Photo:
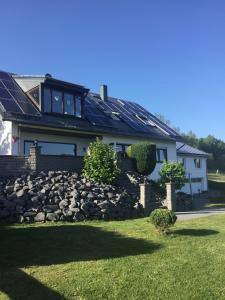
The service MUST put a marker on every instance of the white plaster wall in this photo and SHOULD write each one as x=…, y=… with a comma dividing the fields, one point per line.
x=80, y=142
x=5, y=137
x=16, y=142
x=195, y=173
x=27, y=83
x=170, y=146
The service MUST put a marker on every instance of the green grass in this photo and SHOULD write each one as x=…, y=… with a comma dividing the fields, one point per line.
x=217, y=183
x=113, y=260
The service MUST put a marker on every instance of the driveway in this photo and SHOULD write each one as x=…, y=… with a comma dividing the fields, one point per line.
x=187, y=215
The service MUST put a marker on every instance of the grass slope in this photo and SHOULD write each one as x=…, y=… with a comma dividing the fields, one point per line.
x=114, y=260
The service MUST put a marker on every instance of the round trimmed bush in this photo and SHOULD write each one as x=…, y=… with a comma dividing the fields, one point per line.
x=163, y=219
x=144, y=154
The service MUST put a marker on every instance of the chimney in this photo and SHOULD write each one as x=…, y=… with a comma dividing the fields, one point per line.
x=103, y=92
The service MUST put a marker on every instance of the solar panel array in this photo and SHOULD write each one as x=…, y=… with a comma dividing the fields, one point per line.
x=12, y=97
x=130, y=113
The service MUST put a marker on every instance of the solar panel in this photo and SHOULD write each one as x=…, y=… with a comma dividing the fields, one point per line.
x=17, y=101
x=5, y=75
x=94, y=115
x=10, y=84
x=4, y=94
x=126, y=116
x=10, y=105
x=140, y=110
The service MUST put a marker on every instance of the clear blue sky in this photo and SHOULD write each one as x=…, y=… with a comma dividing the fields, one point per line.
x=168, y=55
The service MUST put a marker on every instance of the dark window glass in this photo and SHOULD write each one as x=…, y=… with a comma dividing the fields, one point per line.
x=48, y=148
x=78, y=106
x=35, y=95
x=56, y=101
x=121, y=147
x=68, y=104
x=196, y=179
x=197, y=162
x=61, y=102
x=161, y=155
x=47, y=100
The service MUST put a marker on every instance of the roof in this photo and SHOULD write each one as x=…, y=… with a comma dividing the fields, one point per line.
x=185, y=149
x=115, y=116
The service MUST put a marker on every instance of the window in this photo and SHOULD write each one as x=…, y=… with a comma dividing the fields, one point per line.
x=197, y=162
x=68, y=104
x=55, y=101
x=161, y=155
x=145, y=120
x=195, y=180
x=120, y=147
x=182, y=161
x=78, y=106
x=47, y=100
x=51, y=148
x=34, y=95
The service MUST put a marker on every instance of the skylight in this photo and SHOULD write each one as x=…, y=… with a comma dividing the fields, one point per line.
x=145, y=120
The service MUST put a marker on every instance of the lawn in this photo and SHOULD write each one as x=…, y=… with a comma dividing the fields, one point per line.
x=113, y=260
x=217, y=183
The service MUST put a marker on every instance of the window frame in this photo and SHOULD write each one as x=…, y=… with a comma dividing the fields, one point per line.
x=63, y=90
x=200, y=163
x=120, y=144
x=38, y=105
x=63, y=155
x=158, y=151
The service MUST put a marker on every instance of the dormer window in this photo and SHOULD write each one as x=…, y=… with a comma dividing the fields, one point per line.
x=61, y=102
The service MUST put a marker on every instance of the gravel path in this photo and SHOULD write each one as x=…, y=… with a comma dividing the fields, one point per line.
x=182, y=216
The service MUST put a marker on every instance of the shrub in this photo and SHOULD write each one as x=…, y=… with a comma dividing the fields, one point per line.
x=163, y=219
x=100, y=163
x=144, y=154
x=172, y=172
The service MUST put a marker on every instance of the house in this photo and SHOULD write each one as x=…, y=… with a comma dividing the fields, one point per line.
x=65, y=117
x=195, y=164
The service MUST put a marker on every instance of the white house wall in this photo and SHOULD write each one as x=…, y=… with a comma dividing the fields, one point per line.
x=170, y=146
x=194, y=172
x=5, y=137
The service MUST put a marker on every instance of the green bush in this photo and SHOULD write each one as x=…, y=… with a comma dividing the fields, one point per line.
x=100, y=163
x=144, y=154
x=163, y=219
x=172, y=172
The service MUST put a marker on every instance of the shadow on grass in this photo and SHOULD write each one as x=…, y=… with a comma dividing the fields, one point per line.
x=44, y=246
x=195, y=232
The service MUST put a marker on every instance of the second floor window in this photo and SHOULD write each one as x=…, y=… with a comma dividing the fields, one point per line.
x=197, y=162
x=56, y=101
x=161, y=155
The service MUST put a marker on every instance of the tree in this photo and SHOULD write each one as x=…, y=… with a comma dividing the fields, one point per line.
x=100, y=163
x=191, y=139
x=172, y=172
x=162, y=118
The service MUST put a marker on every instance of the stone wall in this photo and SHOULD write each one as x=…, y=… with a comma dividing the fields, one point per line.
x=65, y=196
